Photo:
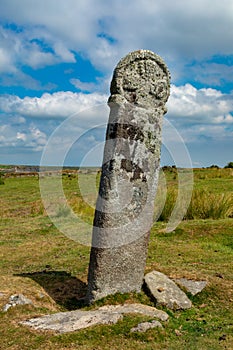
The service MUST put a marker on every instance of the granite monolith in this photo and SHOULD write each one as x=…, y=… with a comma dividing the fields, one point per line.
x=124, y=209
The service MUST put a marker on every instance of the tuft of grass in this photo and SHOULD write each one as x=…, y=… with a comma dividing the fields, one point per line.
x=82, y=209
x=2, y=179
x=203, y=205
x=63, y=211
x=168, y=205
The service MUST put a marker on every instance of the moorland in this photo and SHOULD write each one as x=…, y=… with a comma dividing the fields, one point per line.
x=38, y=261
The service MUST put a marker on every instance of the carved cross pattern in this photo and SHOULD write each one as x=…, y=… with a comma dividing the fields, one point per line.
x=148, y=86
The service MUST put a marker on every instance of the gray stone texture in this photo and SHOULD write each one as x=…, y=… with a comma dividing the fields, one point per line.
x=64, y=322
x=136, y=309
x=144, y=326
x=193, y=287
x=124, y=208
x=166, y=292
x=17, y=299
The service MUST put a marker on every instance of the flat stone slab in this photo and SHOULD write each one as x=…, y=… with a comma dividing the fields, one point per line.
x=193, y=287
x=144, y=326
x=166, y=292
x=64, y=322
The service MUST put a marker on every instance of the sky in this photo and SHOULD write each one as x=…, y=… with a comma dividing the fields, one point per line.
x=56, y=64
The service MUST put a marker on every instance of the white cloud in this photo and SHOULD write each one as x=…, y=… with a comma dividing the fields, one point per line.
x=198, y=115
x=57, y=105
x=22, y=48
x=187, y=105
x=104, y=32
x=203, y=106
x=210, y=73
x=21, y=136
x=18, y=119
x=5, y=61
x=29, y=137
x=37, y=139
x=185, y=33
x=35, y=58
x=201, y=135
x=80, y=85
x=101, y=84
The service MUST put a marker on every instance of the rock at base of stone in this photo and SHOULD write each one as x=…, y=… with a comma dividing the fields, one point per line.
x=193, y=287
x=64, y=322
x=144, y=326
x=166, y=292
x=137, y=309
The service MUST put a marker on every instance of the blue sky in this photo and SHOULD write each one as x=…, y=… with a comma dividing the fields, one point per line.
x=57, y=58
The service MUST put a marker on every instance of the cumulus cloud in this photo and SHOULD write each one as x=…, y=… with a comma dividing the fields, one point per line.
x=186, y=105
x=101, y=84
x=200, y=106
x=186, y=34
x=21, y=48
x=29, y=137
x=211, y=73
x=26, y=46
x=196, y=113
x=179, y=30
x=80, y=85
x=5, y=61
x=21, y=136
x=58, y=105
x=27, y=123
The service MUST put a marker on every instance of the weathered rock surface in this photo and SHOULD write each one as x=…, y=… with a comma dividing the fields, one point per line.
x=64, y=322
x=129, y=177
x=137, y=308
x=144, y=326
x=17, y=299
x=193, y=287
x=70, y=321
x=166, y=292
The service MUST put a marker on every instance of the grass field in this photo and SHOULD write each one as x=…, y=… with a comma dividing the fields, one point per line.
x=50, y=269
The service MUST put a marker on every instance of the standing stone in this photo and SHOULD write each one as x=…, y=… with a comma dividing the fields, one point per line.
x=124, y=208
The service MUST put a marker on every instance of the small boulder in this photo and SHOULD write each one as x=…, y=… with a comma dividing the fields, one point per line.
x=166, y=292
x=193, y=287
x=144, y=326
x=17, y=299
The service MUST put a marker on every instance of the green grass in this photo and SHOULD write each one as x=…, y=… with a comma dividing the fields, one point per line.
x=40, y=262
x=212, y=195
x=203, y=205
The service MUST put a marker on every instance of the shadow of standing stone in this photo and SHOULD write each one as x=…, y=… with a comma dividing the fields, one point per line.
x=65, y=289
